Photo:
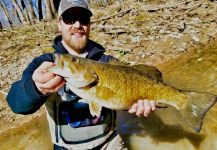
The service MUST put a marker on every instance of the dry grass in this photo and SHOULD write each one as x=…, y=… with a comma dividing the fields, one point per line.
x=148, y=32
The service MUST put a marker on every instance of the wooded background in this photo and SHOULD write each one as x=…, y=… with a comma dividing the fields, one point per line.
x=18, y=12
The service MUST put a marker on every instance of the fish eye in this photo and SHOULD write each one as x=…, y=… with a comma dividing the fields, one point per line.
x=74, y=59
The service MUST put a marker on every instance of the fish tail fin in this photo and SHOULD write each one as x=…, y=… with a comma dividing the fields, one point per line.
x=198, y=105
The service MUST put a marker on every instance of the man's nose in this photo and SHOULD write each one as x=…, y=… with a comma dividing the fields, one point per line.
x=77, y=24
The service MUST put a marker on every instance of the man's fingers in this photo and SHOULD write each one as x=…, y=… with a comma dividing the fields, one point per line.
x=52, y=83
x=45, y=65
x=140, y=109
x=147, y=108
x=153, y=105
x=60, y=85
x=45, y=89
x=143, y=107
x=133, y=108
x=45, y=81
x=42, y=76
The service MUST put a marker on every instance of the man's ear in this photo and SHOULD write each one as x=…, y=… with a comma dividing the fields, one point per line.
x=59, y=25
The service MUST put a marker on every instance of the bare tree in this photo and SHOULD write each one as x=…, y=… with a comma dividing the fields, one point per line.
x=54, y=12
x=29, y=9
x=19, y=11
x=47, y=9
x=4, y=19
x=11, y=12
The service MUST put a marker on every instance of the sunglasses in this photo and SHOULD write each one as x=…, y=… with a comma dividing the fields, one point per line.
x=70, y=19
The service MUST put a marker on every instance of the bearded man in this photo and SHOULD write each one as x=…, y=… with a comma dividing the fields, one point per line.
x=71, y=124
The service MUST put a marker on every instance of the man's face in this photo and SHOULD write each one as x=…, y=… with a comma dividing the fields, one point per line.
x=74, y=26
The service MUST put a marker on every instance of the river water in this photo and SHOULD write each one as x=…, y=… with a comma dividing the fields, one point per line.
x=31, y=135
x=165, y=129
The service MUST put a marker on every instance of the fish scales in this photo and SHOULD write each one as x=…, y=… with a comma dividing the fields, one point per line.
x=118, y=86
x=130, y=85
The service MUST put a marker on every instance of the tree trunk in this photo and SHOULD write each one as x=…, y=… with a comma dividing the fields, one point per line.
x=54, y=12
x=47, y=10
x=35, y=6
x=4, y=19
x=26, y=15
x=12, y=14
x=19, y=11
x=29, y=9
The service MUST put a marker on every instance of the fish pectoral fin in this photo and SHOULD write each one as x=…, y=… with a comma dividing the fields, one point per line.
x=197, y=106
x=104, y=93
x=95, y=109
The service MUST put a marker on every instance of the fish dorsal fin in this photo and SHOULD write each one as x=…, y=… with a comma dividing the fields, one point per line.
x=115, y=61
x=149, y=71
x=95, y=109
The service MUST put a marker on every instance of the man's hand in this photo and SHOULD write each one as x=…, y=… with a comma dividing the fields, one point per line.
x=45, y=81
x=143, y=107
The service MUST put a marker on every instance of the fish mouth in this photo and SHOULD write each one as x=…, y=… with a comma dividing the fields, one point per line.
x=80, y=85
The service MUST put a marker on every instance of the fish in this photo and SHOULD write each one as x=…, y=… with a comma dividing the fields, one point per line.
x=116, y=85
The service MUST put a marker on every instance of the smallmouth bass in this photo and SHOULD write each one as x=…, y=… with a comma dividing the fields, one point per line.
x=117, y=86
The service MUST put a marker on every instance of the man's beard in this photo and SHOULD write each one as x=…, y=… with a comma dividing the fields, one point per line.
x=77, y=44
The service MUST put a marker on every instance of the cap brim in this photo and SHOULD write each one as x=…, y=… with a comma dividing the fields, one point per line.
x=89, y=13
